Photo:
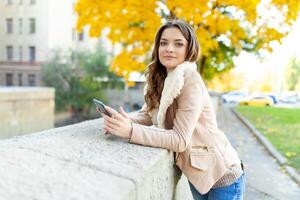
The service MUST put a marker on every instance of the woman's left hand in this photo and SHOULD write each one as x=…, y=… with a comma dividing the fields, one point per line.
x=119, y=124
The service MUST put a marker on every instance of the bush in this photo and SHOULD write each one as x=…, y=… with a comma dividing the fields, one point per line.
x=78, y=78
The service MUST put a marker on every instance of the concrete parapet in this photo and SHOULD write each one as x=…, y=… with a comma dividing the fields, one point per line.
x=78, y=162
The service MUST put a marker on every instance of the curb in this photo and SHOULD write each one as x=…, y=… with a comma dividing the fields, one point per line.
x=270, y=148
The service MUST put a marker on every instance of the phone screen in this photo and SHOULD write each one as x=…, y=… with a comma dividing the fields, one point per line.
x=101, y=107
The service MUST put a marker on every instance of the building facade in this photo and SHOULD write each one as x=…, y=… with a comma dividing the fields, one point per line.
x=30, y=29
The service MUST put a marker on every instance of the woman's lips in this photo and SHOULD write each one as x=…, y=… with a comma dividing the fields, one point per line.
x=169, y=57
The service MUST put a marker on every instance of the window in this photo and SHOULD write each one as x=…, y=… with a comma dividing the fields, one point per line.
x=9, y=2
x=9, y=25
x=9, y=79
x=31, y=25
x=9, y=53
x=20, y=53
x=31, y=80
x=20, y=26
x=80, y=36
x=20, y=80
x=31, y=54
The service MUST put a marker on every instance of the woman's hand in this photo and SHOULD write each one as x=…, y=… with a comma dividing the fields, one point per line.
x=119, y=124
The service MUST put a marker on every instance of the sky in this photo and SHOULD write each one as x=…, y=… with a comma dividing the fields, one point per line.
x=273, y=63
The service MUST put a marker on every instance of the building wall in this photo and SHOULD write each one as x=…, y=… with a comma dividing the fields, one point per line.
x=55, y=23
x=62, y=27
x=25, y=69
x=39, y=39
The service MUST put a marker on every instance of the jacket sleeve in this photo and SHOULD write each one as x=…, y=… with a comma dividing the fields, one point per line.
x=141, y=117
x=190, y=104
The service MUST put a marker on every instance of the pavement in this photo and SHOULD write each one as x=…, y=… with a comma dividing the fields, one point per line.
x=265, y=178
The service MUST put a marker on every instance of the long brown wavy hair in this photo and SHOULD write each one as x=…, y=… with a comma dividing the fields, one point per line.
x=156, y=72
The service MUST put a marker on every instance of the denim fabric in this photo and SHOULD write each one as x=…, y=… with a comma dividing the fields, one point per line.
x=235, y=191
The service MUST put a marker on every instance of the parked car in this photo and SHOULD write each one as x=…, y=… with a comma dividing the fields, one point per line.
x=273, y=97
x=233, y=97
x=289, y=98
x=257, y=101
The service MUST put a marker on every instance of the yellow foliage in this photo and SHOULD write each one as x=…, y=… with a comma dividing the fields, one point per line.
x=134, y=23
x=130, y=83
x=227, y=81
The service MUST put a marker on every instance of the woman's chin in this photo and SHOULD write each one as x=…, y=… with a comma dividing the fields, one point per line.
x=169, y=65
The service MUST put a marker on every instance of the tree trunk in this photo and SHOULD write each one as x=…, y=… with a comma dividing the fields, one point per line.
x=201, y=65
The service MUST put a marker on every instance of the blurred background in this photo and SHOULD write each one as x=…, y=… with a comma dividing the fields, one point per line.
x=95, y=49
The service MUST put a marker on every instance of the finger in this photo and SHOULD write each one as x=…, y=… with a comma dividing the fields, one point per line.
x=104, y=131
x=111, y=120
x=113, y=112
x=122, y=111
x=104, y=115
x=110, y=125
x=111, y=130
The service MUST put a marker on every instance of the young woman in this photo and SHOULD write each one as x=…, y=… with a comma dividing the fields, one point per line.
x=178, y=105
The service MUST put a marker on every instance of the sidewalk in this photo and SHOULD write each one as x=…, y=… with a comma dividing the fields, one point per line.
x=265, y=179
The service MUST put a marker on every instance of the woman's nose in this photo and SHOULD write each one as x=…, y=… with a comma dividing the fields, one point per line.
x=170, y=48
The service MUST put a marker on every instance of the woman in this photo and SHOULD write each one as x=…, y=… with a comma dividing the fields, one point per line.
x=178, y=105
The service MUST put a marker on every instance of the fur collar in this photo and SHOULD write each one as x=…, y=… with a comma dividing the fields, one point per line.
x=173, y=84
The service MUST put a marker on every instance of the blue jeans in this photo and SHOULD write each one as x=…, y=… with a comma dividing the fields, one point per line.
x=235, y=191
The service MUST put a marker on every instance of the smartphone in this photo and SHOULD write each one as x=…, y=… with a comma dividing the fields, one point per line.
x=101, y=107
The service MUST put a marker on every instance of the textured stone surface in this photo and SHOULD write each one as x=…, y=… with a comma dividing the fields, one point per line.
x=78, y=162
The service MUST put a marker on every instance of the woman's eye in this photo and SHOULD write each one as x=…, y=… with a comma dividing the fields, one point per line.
x=179, y=44
x=163, y=43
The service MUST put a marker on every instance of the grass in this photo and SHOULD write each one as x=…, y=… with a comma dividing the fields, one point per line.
x=281, y=126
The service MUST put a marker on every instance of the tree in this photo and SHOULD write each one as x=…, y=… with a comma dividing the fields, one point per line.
x=76, y=77
x=224, y=27
x=293, y=74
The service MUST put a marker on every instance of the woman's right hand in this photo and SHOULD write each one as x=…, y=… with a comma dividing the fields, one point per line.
x=122, y=112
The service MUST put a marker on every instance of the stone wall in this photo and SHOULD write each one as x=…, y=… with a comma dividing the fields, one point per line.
x=25, y=110
x=78, y=162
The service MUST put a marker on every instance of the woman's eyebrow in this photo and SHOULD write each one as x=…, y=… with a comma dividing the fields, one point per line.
x=177, y=40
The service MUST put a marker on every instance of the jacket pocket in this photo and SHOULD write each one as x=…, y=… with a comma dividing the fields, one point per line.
x=202, y=159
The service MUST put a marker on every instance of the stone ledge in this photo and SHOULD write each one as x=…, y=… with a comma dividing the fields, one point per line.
x=76, y=161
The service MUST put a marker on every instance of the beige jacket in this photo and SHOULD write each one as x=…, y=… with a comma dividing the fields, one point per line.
x=185, y=123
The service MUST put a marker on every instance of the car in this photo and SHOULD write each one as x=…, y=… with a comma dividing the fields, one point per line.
x=257, y=101
x=233, y=97
x=289, y=99
x=273, y=97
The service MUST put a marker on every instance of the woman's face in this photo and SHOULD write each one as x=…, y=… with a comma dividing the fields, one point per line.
x=172, y=48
